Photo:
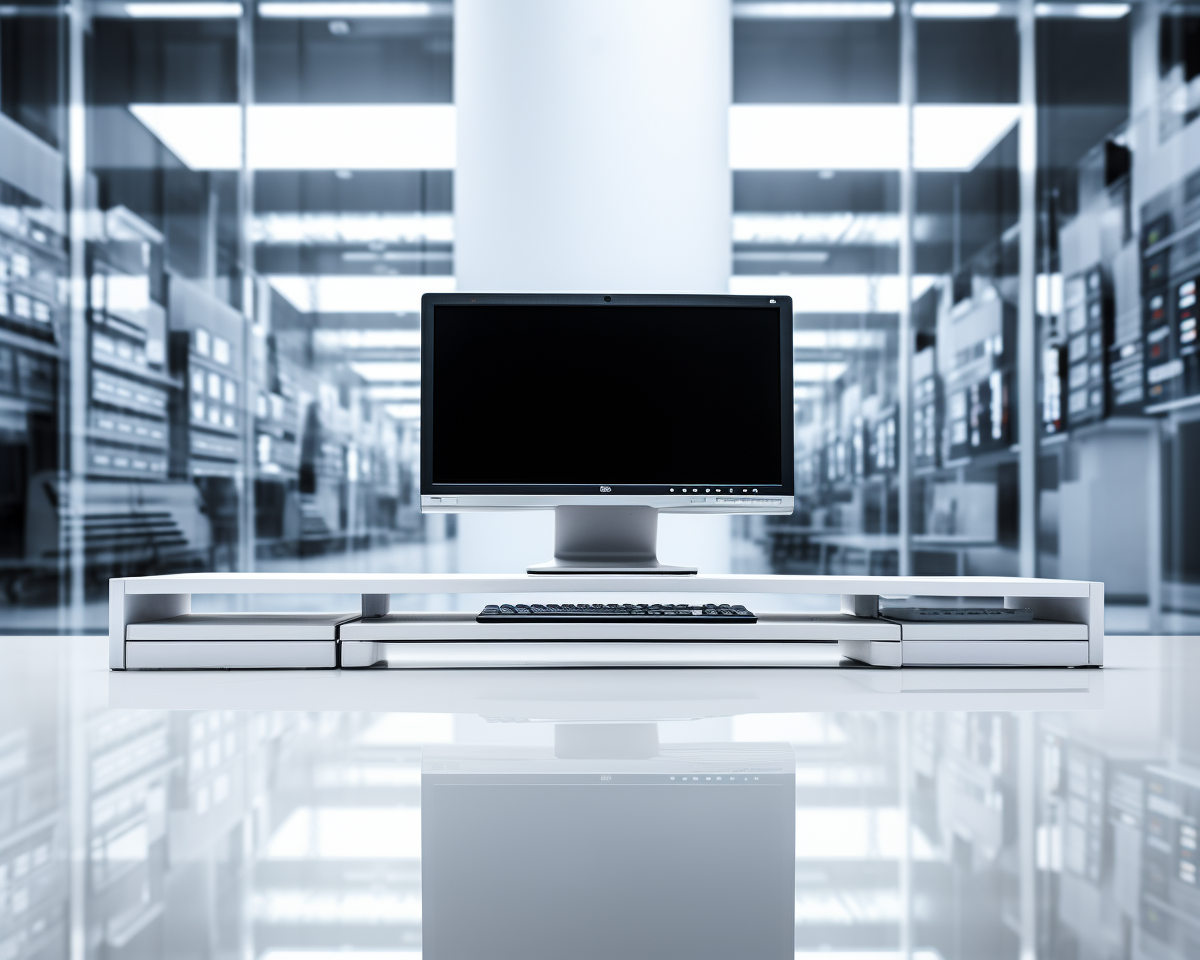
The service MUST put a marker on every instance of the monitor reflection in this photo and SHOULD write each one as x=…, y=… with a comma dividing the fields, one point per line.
x=608, y=844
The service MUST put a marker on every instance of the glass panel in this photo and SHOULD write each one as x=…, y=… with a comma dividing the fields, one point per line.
x=965, y=497
x=215, y=365
x=826, y=231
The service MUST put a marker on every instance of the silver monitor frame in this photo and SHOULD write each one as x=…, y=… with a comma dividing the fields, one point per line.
x=604, y=531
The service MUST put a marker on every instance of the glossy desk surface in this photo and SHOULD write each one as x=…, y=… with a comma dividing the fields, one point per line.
x=833, y=812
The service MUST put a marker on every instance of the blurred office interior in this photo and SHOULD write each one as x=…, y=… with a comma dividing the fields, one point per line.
x=217, y=219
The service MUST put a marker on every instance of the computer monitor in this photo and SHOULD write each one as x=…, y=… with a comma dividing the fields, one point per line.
x=607, y=408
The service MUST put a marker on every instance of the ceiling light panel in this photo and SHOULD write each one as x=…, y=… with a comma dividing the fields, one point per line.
x=833, y=293
x=342, y=228
x=182, y=11
x=331, y=341
x=948, y=10
x=367, y=10
x=952, y=137
x=395, y=394
x=816, y=10
x=304, y=136
x=817, y=229
x=385, y=371
x=810, y=372
x=839, y=339
x=1086, y=11
x=347, y=293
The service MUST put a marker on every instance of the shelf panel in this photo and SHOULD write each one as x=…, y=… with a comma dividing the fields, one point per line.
x=250, y=583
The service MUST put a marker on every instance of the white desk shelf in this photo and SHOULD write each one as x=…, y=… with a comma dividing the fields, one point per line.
x=1068, y=629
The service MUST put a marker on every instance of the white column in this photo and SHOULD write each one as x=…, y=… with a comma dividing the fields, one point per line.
x=593, y=148
x=593, y=155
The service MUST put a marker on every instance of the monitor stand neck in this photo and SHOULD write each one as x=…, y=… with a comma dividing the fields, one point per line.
x=606, y=540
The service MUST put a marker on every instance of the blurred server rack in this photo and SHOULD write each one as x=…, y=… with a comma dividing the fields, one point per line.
x=33, y=875
x=127, y=430
x=1090, y=824
x=321, y=880
x=129, y=766
x=964, y=427
x=33, y=276
x=848, y=836
x=208, y=791
x=135, y=518
x=963, y=801
x=1170, y=900
x=1170, y=241
x=1087, y=305
x=277, y=431
x=847, y=456
x=208, y=416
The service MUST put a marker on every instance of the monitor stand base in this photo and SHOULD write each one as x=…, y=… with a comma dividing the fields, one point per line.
x=607, y=541
x=609, y=569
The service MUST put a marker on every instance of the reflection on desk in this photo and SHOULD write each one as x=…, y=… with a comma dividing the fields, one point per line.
x=1008, y=813
x=541, y=853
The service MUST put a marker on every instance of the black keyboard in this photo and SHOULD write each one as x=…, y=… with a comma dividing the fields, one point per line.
x=615, y=613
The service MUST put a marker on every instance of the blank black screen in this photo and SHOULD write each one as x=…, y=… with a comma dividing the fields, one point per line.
x=613, y=394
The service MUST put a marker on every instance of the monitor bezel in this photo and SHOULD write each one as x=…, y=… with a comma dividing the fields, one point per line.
x=456, y=498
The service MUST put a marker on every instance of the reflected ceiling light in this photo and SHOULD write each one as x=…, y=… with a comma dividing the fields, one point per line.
x=330, y=906
x=805, y=955
x=339, y=228
x=295, y=136
x=1087, y=11
x=388, y=371
x=367, y=9
x=815, y=10
x=844, y=833
x=408, y=729
x=949, y=10
x=348, y=833
x=864, y=136
x=347, y=293
x=833, y=293
x=344, y=954
x=183, y=11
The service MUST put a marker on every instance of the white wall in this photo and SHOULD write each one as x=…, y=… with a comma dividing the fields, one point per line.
x=592, y=156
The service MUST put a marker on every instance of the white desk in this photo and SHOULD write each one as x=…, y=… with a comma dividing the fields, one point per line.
x=1067, y=631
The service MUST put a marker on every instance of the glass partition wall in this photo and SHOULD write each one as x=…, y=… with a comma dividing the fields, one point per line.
x=218, y=219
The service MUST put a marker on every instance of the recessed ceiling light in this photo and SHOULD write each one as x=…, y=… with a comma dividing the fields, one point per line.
x=183, y=11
